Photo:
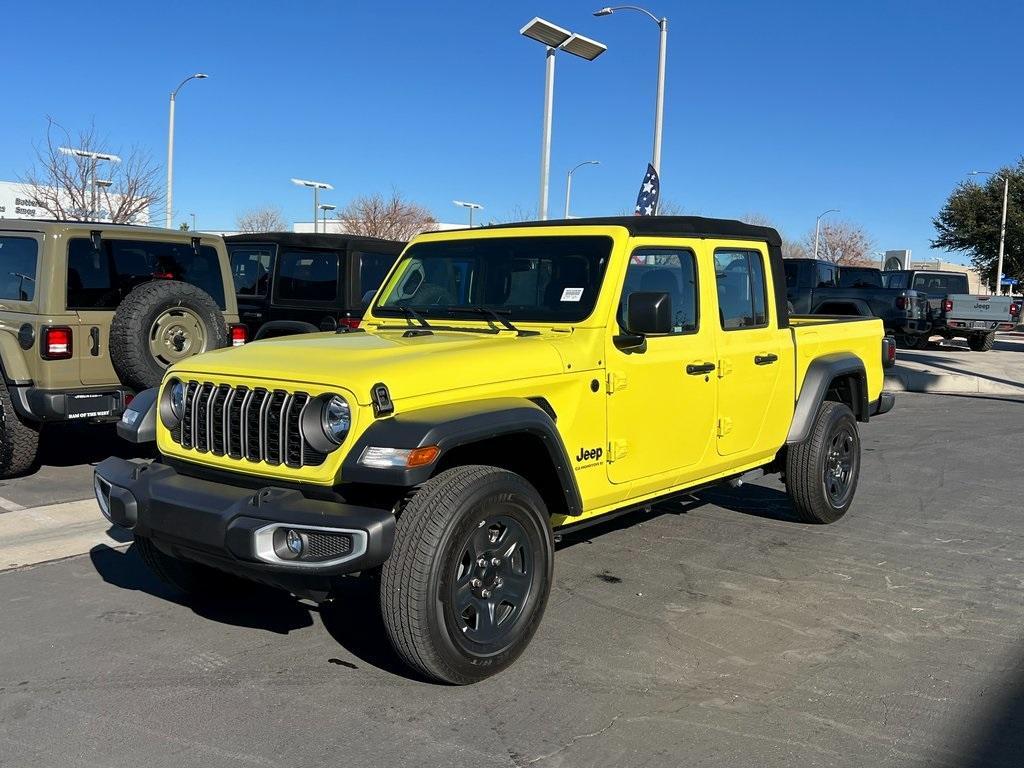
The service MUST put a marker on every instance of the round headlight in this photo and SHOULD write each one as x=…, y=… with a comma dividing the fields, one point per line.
x=336, y=418
x=177, y=399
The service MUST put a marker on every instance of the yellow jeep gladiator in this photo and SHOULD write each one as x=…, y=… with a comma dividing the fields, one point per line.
x=508, y=383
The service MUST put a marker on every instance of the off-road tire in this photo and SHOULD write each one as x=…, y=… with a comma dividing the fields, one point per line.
x=981, y=342
x=134, y=320
x=19, y=442
x=808, y=466
x=436, y=528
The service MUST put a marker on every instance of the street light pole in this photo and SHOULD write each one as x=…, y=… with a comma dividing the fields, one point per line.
x=316, y=186
x=817, y=227
x=93, y=157
x=471, y=206
x=169, y=212
x=659, y=104
x=1002, y=226
x=555, y=39
x=568, y=182
x=325, y=207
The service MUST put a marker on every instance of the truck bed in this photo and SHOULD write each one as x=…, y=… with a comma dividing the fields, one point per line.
x=817, y=335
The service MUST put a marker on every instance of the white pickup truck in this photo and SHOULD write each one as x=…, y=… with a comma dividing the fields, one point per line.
x=979, y=317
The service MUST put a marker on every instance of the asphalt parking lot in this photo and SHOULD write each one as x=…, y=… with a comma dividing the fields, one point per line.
x=713, y=632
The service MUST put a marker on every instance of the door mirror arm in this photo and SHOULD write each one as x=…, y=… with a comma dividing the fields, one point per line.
x=630, y=343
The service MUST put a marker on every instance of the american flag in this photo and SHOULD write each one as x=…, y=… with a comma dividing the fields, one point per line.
x=647, y=200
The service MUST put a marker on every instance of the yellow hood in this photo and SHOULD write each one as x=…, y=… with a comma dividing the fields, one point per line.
x=357, y=361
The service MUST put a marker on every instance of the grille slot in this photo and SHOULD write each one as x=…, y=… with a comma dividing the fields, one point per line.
x=246, y=424
x=326, y=546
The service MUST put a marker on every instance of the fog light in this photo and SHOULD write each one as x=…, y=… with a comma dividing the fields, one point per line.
x=293, y=540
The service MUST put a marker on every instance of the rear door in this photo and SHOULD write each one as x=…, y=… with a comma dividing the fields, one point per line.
x=755, y=357
x=660, y=416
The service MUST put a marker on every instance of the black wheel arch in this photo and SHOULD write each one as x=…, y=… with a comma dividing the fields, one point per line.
x=512, y=433
x=841, y=377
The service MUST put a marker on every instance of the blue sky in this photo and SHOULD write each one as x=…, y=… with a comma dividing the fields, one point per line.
x=784, y=108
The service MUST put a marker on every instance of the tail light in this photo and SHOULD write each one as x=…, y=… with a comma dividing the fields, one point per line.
x=901, y=302
x=349, y=322
x=239, y=335
x=888, y=351
x=947, y=305
x=56, y=343
x=1015, y=309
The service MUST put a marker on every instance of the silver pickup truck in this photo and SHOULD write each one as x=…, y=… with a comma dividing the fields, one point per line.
x=979, y=317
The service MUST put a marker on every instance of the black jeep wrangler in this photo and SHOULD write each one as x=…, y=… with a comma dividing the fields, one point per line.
x=296, y=282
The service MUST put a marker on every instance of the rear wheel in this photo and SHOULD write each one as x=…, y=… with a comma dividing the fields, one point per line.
x=908, y=341
x=822, y=471
x=19, y=441
x=981, y=342
x=468, y=579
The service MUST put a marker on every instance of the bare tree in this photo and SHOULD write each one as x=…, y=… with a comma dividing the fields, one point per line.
x=68, y=186
x=791, y=249
x=265, y=219
x=841, y=242
x=391, y=218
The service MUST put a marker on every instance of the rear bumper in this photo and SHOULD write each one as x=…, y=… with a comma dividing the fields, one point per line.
x=241, y=530
x=884, y=404
x=987, y=326
x=86, y=404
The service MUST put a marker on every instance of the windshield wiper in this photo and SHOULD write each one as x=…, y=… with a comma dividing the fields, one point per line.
x=410, y=314
x=499, y=317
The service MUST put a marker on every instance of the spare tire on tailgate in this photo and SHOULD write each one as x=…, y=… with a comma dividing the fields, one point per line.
x=158, y=324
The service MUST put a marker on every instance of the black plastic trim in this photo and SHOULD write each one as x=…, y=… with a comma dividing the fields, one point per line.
x=450, y=426
x=34, y=404
x=143, y=429
x=820, y=375
x=285, y=325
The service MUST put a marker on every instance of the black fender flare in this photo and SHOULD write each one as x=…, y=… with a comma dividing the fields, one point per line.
x=820, y=375
x=451, y=426
x=297, y=326
x=138, y=422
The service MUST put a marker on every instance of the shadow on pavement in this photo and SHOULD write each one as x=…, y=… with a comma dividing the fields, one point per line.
x=353, y=619
x=998, y=738
x=754, y=500
x=252, y=606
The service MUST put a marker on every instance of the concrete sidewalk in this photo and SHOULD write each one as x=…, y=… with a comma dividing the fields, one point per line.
x=52, y=532
x=952, y=368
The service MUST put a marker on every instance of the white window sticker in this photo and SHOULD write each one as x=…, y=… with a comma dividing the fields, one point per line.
x=572, y=294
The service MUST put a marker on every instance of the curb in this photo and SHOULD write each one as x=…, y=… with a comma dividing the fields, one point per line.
x=947, y=383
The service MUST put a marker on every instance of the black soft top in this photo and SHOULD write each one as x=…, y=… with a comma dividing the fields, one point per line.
x=670, y=226
x=319, y=240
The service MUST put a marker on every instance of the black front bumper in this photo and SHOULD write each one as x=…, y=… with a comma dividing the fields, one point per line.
x=226, y=526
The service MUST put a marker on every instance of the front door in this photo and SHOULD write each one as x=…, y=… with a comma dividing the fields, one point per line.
x=661, y=400
x=751, y=352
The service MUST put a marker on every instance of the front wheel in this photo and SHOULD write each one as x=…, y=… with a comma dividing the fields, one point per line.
x=822, y=471
x=469, y=576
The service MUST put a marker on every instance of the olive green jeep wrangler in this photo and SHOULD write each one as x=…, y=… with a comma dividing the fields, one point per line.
x=91, y=313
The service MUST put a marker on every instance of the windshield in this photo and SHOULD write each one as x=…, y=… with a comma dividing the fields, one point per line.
x=526, y=279
x=940, y=285
x=859, y=277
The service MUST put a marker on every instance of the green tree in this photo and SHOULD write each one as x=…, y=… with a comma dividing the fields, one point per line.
x=969, y=221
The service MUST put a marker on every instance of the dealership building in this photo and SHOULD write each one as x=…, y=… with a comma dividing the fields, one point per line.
x=17, y=202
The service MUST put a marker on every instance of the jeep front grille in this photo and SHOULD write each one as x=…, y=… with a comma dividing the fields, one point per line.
x=254, y=424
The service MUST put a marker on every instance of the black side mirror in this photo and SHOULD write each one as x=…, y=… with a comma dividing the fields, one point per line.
x=648, y=313
x=367, y=298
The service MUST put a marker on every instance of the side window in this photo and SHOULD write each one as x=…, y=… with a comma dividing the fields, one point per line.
x=307, y=276
x=373, y=267
x=18, y=268
x=664, y=270
x=250, y=269
x=826, y=276
x=742, y=293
